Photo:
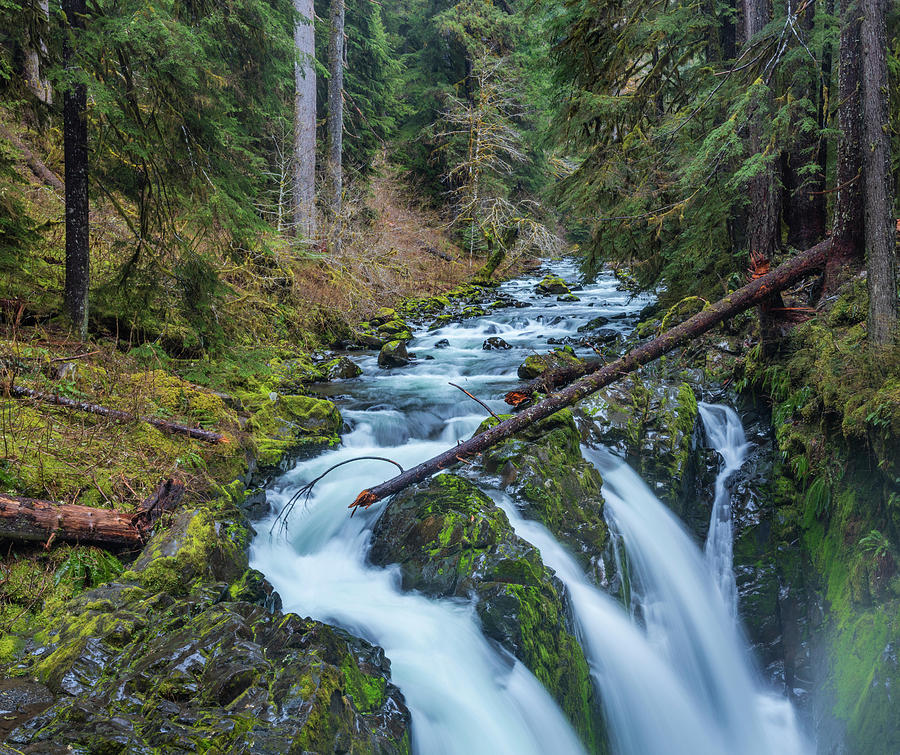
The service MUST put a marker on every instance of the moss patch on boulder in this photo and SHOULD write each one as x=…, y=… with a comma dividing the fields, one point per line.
x=544, y=470
x=451, y=540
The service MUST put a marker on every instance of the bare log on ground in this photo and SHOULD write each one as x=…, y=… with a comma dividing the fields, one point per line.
x=47, y=521
x=82, y=406
x=758, y=290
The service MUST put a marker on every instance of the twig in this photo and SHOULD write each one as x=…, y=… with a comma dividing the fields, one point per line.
x=77, y=356
x=306, y=491
x=476, y=399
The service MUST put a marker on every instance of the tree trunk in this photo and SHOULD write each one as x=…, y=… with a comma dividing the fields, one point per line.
x=35, y=54
x=758, y=290
x=765, y=214
x=804, y=212
x=336, y=108
x=45, y=521
x=305, y=122
x=881, y=245
x=76, y=164
x=848, y=220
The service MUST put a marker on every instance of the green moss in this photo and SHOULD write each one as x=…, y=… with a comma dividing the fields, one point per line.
x=282, y=424
x=367, y=692
x=11, y=647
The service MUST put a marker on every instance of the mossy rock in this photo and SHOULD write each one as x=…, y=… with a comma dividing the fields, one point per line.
x=341, y=368
x=450, y=540
x=552, y=284
x=283, y=427
x=534, y=365
x=654, y=422
x=393, y=354
x=543, y=468
x=138, y=671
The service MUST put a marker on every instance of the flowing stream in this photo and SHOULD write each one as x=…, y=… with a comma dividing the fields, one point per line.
x=673, y=671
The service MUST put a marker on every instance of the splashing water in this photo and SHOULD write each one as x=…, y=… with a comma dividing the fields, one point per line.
x=678, y=684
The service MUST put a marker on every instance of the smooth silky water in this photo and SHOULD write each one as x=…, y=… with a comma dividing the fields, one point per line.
x=676, y=680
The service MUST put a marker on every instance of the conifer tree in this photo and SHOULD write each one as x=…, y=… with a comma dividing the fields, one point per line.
x=336, y=107
x=305, y=120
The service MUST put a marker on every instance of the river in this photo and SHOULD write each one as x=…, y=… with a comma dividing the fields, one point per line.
x=672, y=668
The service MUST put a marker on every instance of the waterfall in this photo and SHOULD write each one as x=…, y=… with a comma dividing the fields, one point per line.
x=674, y=677
x=687, y=622
x=726, y=434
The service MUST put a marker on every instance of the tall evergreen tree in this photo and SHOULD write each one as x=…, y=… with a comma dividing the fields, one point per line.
x=75, y=141
x=336, y=107
x=881, y=245
x=305, y=120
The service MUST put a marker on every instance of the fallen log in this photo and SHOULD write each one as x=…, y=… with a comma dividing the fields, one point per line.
x=758, y=290
x=48, y=521
x=177, y=428
x=550, y=380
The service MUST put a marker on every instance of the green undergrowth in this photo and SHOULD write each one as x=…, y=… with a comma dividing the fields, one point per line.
x=836, y=412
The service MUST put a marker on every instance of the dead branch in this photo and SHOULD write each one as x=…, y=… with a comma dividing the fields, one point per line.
x=477, y=400
x=177, y=428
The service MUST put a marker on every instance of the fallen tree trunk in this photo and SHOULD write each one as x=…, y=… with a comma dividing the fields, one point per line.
x=753, y=293
x=170, y=427
x=47, y=521
x=551, y=379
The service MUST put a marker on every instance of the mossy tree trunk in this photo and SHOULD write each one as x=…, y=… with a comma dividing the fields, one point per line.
x=881, y=245
x=75, y=142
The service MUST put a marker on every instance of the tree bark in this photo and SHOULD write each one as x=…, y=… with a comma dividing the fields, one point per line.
x=765, y=213
x=44, y=521
x=305, y=122
x=75, y=144
x=758, y=290
x=881, y=245
x=848, y=219
x=35, y=54
x=336, y=109
x=176, y=428
x=804, y=211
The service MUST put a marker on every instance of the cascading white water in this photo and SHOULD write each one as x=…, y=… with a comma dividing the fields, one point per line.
x=726, y=434
x=686, y=620
x=680, y=684
x=464, y=695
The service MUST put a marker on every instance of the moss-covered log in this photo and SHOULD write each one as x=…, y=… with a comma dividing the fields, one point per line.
x=758, y=290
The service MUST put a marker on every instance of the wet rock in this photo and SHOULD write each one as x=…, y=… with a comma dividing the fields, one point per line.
x=538, y=363
x=552, y=284
x=393, y=354
x=495, y=343
x=341, y=368
x=20, y=701
x=139, y=671
x=544, y=470
x=568, y=298
x=256, y=504
x=653, y=422
x=450, y=540
x=442, y=344
x=593, y=324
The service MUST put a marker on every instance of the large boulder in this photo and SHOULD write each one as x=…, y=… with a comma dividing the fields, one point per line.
x=341, y=368
x=138, y=671
x=552, y=284
x=538, y=363
x=653, y=422
x=543, y=469
x=393, y=354
x=188, y=652
x=450, y=540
